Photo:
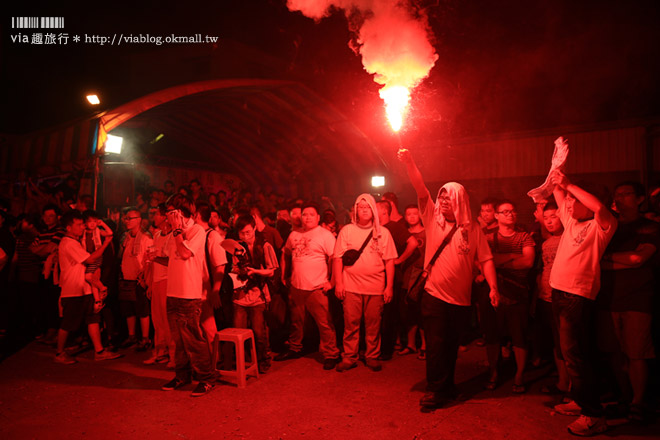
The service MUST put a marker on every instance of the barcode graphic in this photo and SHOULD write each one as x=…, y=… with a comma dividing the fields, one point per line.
x=37, y=22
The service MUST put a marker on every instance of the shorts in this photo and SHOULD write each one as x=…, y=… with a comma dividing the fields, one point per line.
x=141, y=307
x=77, y=309
x=629, y=332
x=507, y=320
x=91, y=268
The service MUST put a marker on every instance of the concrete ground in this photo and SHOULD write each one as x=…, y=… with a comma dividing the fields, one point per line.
x=296, y=399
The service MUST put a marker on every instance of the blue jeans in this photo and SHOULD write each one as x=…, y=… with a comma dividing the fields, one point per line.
x=574, y=317
x=443, y=325
x=192, y=350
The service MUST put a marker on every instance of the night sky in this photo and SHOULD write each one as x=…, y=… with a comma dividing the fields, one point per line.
x=502, y=66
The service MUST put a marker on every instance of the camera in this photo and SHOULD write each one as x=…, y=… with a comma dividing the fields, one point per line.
x=243, y=263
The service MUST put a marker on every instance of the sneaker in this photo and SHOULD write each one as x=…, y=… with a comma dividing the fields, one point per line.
x=174, y=384
x=143, y=345
x=569, y=409
x=150, y=361
x=373, y=365
x=431, y=400
x=105, y=355
x=285, y=356
x=330, y=363
x=65, y=358
x=129, y=342
x=345, y=365
x=587, y=426
x=202, y=389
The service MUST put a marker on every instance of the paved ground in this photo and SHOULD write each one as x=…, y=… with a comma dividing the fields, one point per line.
x=295, y=400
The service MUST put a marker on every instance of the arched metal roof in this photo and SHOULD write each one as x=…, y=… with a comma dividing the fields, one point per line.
x=266, y=132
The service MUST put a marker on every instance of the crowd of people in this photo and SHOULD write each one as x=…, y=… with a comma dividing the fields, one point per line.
x=165, y=275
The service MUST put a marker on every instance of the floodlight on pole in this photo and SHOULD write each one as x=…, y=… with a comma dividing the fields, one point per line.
x=378, y=181
x=93, y=99
x=113, y=144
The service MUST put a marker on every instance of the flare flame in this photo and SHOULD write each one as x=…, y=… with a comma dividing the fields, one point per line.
x=393, y=39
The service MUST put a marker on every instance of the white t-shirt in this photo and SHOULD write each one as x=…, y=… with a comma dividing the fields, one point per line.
x=72, y=269
x=450, y=279
x=135, y=251
x=367, y=276
x=161, y=244
x=576, y=268
x=310, y=252
x=185, y=277
x=217, y=255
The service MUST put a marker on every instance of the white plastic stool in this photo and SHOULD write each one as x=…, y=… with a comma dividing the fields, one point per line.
x=238, y=336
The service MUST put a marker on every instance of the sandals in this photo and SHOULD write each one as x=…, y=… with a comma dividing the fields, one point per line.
x=552, y=390
x=406, y=350
x=422, y=355
x=518, y=389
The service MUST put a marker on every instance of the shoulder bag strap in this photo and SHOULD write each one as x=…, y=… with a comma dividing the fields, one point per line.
x=445, y=242
x=364, y=245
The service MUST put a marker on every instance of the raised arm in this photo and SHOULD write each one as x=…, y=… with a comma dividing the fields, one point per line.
x=415, y=177
x=602, y=215
x=105, y=229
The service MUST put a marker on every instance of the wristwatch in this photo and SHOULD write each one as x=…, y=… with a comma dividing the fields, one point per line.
x=177, y=232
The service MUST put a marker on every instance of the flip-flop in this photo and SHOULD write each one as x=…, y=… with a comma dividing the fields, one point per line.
x=406, y=350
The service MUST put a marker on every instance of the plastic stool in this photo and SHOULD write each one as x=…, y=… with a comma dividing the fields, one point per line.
x=238, y=336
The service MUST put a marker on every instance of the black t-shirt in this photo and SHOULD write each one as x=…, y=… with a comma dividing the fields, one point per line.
x=399, y=234
x=630, y=289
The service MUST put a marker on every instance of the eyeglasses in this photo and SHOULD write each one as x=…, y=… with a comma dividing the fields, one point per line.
x=170, y=211
x=507, y=212
x=131, y=218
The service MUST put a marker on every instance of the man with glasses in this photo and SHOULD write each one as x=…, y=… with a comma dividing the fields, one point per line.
x=447, y=298
x=513, y=255
x=627, y=297
x=133, y=301
x=185, y=274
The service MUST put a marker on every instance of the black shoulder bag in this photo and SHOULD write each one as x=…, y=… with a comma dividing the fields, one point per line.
x=415, y=290
x=351, y=256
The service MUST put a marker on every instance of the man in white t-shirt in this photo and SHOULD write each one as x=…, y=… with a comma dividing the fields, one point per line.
x=164, y=348
x=310, y=251
x=136, y=305
x=216, y=261
x=446, y=301
x=365, y=286
x=185, y=277
x=575, y=279
x=78, y=302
